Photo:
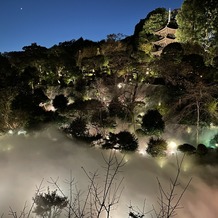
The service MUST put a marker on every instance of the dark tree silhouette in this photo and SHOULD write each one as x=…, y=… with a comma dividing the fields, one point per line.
x=187, y=148
x=60, y=102
x=201, y=150
x=49, y=204
x=78, y=128
x=152, y=123
x=122, y=141
x=117, y=109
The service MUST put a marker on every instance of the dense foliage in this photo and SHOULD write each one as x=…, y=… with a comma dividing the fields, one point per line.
x=197, y=22
x=152, y=123
x=94, y=89
x=157, y=147
x=124, y=141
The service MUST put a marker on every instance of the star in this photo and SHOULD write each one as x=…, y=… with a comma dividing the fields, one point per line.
x=21, y=9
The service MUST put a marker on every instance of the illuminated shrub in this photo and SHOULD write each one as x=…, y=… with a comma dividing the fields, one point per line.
x=157, y=147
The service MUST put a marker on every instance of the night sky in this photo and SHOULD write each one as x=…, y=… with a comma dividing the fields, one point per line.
x=48, y=22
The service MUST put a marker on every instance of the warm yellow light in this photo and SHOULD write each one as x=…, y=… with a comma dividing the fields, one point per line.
x=120, y=85
x=189, y=130
x=142, y=151
x=161, y=162
x=172, y=147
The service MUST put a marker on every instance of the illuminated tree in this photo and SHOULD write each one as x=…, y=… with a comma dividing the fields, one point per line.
x=10, y=119
x=155, y=20
x=193, y=106
x=60, y=68
x=144, y=30
x=187, y=20
x=115, y=37
x=93, y=64
x=157, y=147
x=190, y=88
x=197, y=22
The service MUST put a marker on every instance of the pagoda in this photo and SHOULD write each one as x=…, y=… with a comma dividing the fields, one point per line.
x=166, y=36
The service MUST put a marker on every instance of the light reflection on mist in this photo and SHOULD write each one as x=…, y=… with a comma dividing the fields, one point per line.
x=26, y=160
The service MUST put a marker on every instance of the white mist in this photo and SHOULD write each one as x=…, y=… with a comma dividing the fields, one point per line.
x=26, y=160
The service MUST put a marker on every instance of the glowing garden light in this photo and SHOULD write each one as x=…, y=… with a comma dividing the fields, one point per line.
x=161, y=162
x=142, y=151
x=212, y=126
x=172, y=147
x=120, y=85
x=188, y=129
x=186, y=166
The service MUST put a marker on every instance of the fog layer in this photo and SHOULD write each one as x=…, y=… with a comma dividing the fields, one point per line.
x=26, y=160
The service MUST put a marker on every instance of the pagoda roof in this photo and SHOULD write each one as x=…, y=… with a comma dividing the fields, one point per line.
x=165, y=31
x=164, y=41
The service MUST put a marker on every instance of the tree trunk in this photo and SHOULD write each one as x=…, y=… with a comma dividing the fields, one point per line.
x=197, y=122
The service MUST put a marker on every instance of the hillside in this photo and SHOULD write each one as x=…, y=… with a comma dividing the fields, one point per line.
x=106, y=91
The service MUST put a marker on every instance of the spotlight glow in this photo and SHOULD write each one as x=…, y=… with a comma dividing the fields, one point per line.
x=172, y=147
x=161, y=162
x=25, y=161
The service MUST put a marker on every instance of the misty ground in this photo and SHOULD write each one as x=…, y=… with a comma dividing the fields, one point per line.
x=27, y=159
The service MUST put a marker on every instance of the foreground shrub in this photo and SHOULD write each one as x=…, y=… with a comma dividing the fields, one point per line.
x=157, y=147
x=187, y=148
x=202, y=150
x=122, y=141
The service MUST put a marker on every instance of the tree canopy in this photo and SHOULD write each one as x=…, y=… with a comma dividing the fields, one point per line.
x=197, y=21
